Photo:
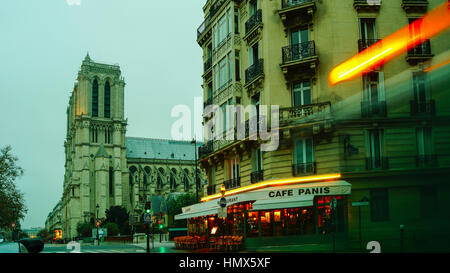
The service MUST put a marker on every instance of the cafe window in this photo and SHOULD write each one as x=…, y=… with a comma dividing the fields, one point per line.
x=379, y=205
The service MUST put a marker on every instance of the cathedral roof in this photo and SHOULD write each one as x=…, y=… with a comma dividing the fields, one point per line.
x=150, y=148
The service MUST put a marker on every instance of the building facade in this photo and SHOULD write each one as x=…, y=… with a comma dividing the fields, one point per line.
x=104, y=168
x=385, y=133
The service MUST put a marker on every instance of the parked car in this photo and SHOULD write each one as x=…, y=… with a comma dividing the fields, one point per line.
x=22, y=246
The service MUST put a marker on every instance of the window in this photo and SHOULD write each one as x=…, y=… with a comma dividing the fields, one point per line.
x=253, y=54
x=257, y=160
x=424, y=141
x=299, y=36
x=420, y=91
x=237, y=68
x=303, y=157
x=373, y=87
x=107, y=100
x=301, y=94
x=236, y=21
x=252, y=7
x=379, y=205
x=428, y=202
x=186, y=179
x=233, y=173
x=94, y=135
x=230, y=67
x=374, y=149
x=95, y=98
x=222, y=72
x=367, y=29
x=111, y=181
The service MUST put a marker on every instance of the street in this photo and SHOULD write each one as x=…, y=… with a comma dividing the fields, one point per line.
x=164, y=247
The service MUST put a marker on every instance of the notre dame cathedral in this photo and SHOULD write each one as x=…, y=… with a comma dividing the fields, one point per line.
x=105, y=168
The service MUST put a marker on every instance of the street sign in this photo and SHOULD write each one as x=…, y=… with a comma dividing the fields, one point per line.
x=360, y=204
x=147, y=218
x=223, y=202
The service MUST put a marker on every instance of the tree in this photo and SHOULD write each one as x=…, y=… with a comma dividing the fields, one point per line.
x=44, y=235
x=12, y=205
x=84, y=229
x=177, y=203
x=119, y=216
x=113, y=229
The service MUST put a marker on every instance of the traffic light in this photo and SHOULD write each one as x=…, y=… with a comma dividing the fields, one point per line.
x=160, y=226
x=148, y=207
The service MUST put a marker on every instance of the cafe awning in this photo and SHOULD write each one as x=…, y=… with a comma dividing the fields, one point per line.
x=283, y=204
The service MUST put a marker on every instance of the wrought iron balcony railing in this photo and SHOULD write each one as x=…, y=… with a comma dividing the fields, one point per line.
x=206, y=149
x=420, y=50
x=300, y=169
x=373, y=109
x=373, y=163
x=366, y=43
x=423, y=107
x=257, y=176
x=285, y=4
x=298, y=51
x=303, y=111
x=253, y=21
x=233, y=183
x=254, y=71
x=426, y=161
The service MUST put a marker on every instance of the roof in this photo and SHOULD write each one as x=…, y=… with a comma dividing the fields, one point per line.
x=150, y=148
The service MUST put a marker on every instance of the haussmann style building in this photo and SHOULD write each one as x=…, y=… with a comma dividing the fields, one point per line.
x=368, y=158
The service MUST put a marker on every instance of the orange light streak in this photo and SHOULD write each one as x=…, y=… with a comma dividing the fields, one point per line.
x=280, y=182
x=395, y=44
x=436, y=66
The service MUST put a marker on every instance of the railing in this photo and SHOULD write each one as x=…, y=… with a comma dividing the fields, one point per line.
x=298, y=51
x=206, y=149
x=303, y=111
x=255, y=20
x=257, y=176
x=373, y=163
x=208, y=64
x=423, y=107
x=422, y=49
x=292, y=3
x=300, y=169
x=211, y=189
x=212, y=12
x=426, y=161
x=373, y=109
x=254, y=71
x=232, y=183
x=366, y=43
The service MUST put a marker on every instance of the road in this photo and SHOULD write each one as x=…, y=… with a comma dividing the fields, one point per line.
x=164, y=247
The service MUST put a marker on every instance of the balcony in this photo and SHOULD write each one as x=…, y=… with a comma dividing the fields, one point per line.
x=295, y=12
x=420, y=108
x=253, y=24
x=293, y=114
x=211, y=189
x=207, y=65
x=203, y=31
x=303, y=169
x=364, y=44
x=232, y=183
x=415, y=5
x=299, y=59
x=426, y=161
x=206, y=149
x=419, y=53
x=367, y=5
x=373, y=109
x=257, y=176
x=254, y=72
x=373, y=163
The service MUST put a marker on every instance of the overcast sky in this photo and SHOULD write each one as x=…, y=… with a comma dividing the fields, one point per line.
x=42, y=45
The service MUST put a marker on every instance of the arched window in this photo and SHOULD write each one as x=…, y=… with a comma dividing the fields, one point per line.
x=159, y=182
x=107, y=100
x=95, y=98
x=173, y=183
x=186, y=179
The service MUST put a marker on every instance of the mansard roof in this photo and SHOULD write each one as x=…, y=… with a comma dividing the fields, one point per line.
x=150, y=148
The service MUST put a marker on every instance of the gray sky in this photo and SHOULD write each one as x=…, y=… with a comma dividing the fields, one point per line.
x=43, y=43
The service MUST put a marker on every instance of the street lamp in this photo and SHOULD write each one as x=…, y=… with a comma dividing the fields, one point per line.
x=194, y=141
x=96, y=223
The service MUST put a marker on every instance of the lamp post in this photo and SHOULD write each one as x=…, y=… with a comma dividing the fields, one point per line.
x=96, y=223
x=194, y=141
